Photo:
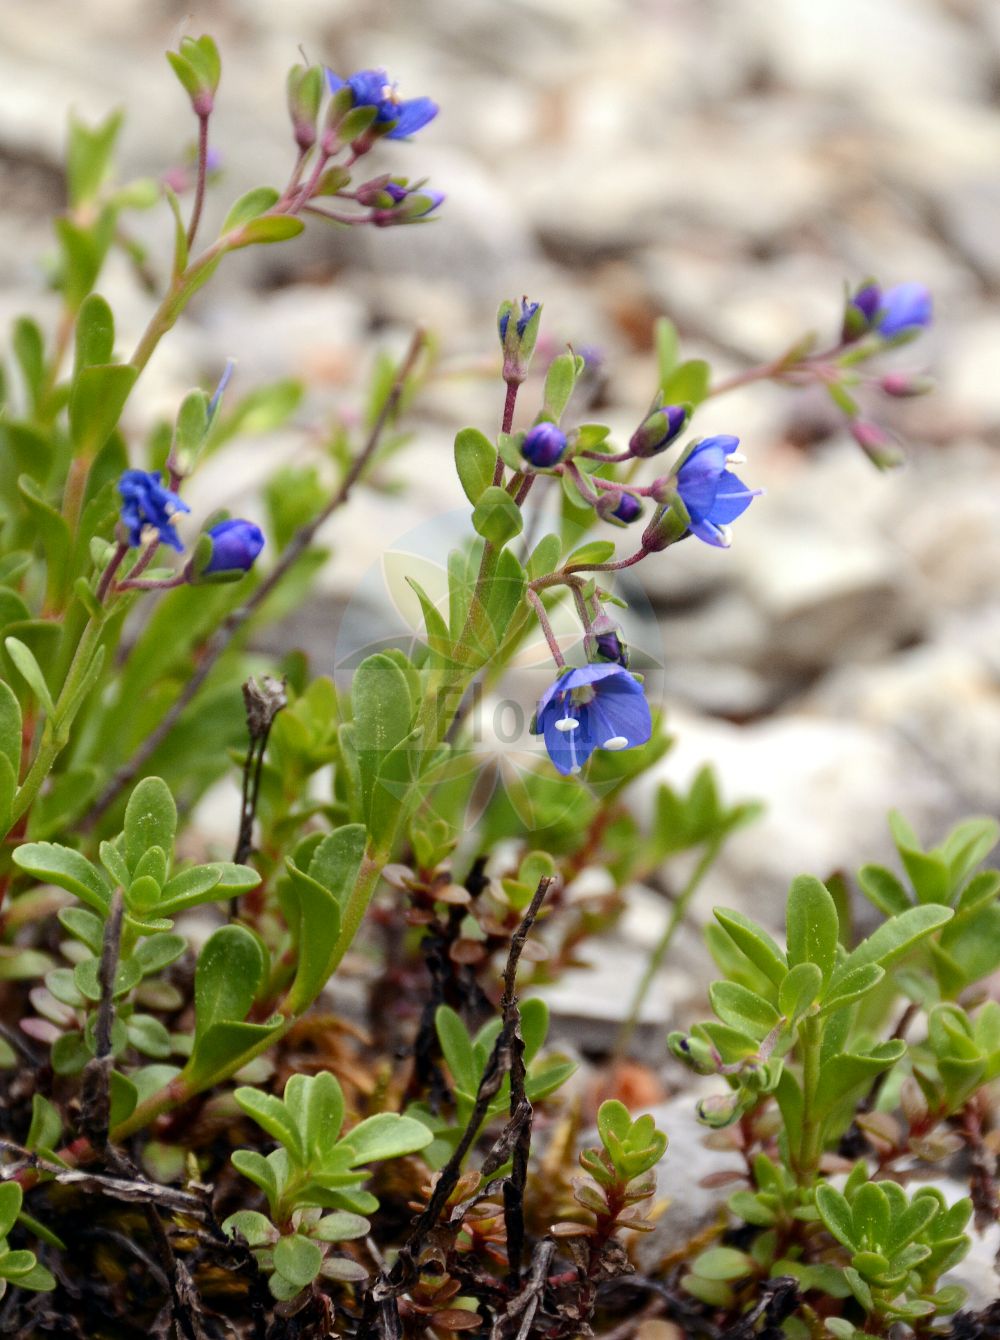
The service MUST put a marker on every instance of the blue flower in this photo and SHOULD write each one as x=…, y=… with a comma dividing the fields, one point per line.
x=905, y=307
x=596, y=707
x=372, y=88
x=235, y=546
x=528, y=310
x=713, y=495
x=544, y=445
x=147, y=503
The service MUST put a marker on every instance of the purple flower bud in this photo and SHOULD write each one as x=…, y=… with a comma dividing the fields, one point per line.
x=860, y=312
x=658, y=430
x=628, y=509
x=235, y=546
x=907, y=307
x=610, y=647
x=544, y=445
x=412, y=206
x=518, y=340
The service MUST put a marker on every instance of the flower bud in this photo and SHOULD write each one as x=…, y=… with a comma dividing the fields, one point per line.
x=719, y=1109
x=225, y=552
x=860, y=311
x=305, y=92
x=901, y=385
x=198, y=67
x=411, y=206
x=670, y=522
x=629, y=508
x=658, y=430
x=696, y=1053
x=610, y=647
x=544, y=445
x=518, y=333
x=877, y=445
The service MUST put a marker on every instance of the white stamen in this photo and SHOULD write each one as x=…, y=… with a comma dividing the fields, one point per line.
x=736, y=458
x=574, y=771
x=616, y=742
x=567, y=723
x=727, y=535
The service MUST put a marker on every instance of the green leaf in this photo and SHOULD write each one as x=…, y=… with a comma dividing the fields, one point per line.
x=383, y=715
x=559, y=383
x=316, y=931
x=268, y=228
x=870, y=1217
x=31, y=672
x=46, y=1125
x=28, y=345
x=95, y=333
x=10, y=1206
x=188, y=888
x=272, y=1115
x=337, y=858
x=812, y=925
x=67, y=869
x=150, y=820
x=156, y=952
x=667, y=348
x=743, y=1009
x=497, y=517
x=149, y=1036
x=847, y=986
x=881, y=887
x=342, y=1226
x=688, y=383
x=844, y=1073
x=385, y=1136
x=316, y=1103
x=475, y=461
x=438, y=637
x=456, y=1047
x=722, y=1263
x=544, y=557
x=836, y=1215
x=755, y=943
x=259, y=1170
x=895, y=938
x=799, y=990
x=88, y=157
x=96, y=401
x=229, y=972
x=249, y=206
x=596, y=551
x=250, y=1224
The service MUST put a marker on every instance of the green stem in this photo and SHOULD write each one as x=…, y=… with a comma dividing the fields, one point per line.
x=181, y=290
x=662, y=946
x=810, y=1143
x=55, y=732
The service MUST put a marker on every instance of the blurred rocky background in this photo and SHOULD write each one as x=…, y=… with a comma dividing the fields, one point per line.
x=730, y=163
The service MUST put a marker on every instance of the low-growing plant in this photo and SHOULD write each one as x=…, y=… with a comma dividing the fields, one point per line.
x=157, y=997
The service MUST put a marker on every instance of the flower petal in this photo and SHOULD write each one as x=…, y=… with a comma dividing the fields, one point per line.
x=621, y=715
x=710, y=533
x=698, y=478
x=369, y=88
x=568, y=749
x=412, y=115
x=732, y=499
